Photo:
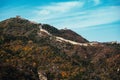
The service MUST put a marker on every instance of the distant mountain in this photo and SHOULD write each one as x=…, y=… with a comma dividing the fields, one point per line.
x=35, y=51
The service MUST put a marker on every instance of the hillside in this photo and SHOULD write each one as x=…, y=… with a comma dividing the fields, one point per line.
x=67, y=34
x=30, y=53
x=70, y=35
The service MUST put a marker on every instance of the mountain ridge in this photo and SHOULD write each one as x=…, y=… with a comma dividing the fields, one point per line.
x=49, y=54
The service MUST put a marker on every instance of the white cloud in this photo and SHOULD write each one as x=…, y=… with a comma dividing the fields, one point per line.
x=64, y=6
x=104, y=15
x=74, y=14
x=43, y=12
x=60, y=7
x=101, y=16
x=97, y=2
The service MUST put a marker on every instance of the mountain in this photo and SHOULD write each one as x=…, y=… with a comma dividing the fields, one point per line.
x=67, y=34
x=34, y=51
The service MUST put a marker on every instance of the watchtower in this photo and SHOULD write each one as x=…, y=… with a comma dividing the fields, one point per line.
x=17, y=16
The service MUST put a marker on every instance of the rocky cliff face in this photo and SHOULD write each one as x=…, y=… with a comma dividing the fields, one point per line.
x=30, y=53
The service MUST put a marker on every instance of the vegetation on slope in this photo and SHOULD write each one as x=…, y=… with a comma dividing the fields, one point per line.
x=23, y=54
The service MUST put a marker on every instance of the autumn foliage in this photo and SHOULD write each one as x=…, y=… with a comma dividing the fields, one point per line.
x=23, y=53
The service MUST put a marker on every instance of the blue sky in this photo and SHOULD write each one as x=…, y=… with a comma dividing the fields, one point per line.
x=95, y=20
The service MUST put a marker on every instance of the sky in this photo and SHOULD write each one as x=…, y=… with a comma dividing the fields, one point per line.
x=95, y=20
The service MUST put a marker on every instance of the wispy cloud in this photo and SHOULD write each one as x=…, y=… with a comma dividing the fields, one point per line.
x=85, y=18
x=97, y=2
x=55, y=10
x=73, y=14
x=60, y=7
x=104, y=15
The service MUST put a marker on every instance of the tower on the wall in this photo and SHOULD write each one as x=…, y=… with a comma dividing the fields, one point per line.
x=17, y=16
